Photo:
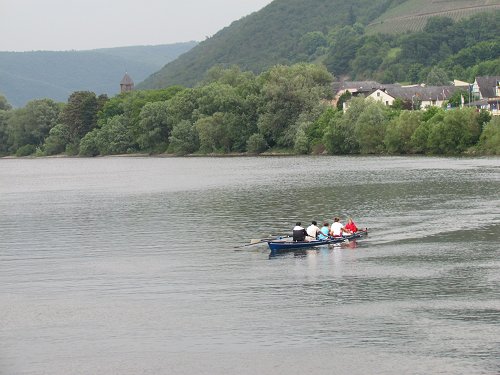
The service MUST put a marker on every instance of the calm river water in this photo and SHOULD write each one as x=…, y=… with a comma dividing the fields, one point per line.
x=133, y=266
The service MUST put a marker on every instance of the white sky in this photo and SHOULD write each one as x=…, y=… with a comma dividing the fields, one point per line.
x=58, y=25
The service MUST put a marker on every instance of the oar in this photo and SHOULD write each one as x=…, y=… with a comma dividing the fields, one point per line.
x=269, y=239
x=255, y=241
x=363, y=231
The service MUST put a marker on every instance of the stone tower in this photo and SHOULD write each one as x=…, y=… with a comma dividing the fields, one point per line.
x=126, y=84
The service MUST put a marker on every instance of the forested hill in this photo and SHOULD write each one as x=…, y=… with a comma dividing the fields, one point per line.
x=25, y=76
x=266, y=38
x=290, y=31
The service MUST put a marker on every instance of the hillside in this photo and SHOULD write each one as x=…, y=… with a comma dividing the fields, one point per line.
x=25, y=76
x=277, y=33
x=413, y=15
x=267, y=37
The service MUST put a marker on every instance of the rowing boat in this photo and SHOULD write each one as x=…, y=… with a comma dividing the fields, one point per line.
x=286, y=245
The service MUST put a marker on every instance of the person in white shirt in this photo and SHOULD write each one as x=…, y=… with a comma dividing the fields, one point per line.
x=312, y=230
x=337, y=229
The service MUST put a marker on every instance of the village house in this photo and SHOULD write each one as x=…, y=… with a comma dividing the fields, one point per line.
x=355, y=88
x=414, y=96
x=420, y=97
x=486, y=94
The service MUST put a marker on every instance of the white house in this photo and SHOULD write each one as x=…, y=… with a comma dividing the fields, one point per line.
x=382, y=96
x=486, y=94
x=416, y=96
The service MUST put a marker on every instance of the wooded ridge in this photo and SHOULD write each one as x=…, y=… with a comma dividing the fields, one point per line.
x=343, y=35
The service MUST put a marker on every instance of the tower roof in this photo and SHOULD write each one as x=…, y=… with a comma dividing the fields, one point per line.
x=126, y=80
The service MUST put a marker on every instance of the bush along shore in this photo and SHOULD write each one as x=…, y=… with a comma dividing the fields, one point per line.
x=284, y=110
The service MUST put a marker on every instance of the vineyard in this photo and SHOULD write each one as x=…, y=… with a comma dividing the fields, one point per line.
x=412, y=16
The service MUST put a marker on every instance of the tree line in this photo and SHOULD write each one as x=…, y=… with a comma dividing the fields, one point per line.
x=284, y=109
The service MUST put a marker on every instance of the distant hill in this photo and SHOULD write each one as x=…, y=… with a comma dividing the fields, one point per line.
x=25, y=76
x=274, y=35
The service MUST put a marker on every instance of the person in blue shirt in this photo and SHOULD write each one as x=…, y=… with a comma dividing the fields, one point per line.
x=324, y=231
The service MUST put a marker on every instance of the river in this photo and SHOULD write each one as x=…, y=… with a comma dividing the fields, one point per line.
x=129, y=266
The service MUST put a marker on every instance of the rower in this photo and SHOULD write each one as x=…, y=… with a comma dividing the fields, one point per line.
x=324, y=231
x=337, y=229
x=299, y=233
x=312, y=230
x=350, y=226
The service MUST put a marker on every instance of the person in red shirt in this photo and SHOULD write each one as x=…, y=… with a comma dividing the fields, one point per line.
x=350, y=226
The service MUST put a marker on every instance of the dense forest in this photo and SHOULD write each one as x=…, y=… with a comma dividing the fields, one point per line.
x=339, y=34
x=442, y=51
x=284, y=109
x=266, y=38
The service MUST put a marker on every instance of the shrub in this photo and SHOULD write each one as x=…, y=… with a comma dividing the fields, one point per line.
x=57, y=140
x=26, y=150
x=256, y=144
x=88, y=144
x=489, y=141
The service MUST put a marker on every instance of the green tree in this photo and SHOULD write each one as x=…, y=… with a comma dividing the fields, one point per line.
x=256, y=144
x=311, y=41
x=437, y=77
x=80, y=114
x=4, y=135
x=456, y=99
x=237, y=100
x=4, y=104
x=400, y=131
x=214, y=132
x=345, y=97
x=31, y=124
x=483, y=118
x=113, y=137
x=184, y=138
x=489, y=141
x=339, y=136
x=414, y=73
x=301, y=145
x=130, y=106
x=317, y=126
x=155, y=126
x=58, y=139
x=286, y=93
x=437, y=25
x=369, y=56
x=344, y=43
x=370, y=127
x=232, y=76
x=458, y=131
x=88, y=144
x=429, y=119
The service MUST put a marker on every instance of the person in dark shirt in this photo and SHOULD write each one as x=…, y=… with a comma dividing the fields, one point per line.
x=299, y=233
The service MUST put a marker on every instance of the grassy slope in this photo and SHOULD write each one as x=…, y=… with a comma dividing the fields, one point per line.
x=25, y=76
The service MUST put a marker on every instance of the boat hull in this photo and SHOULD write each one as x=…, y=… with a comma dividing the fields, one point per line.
x=289, y=245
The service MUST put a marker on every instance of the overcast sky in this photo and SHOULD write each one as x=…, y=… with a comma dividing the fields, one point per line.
x=59, y=25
